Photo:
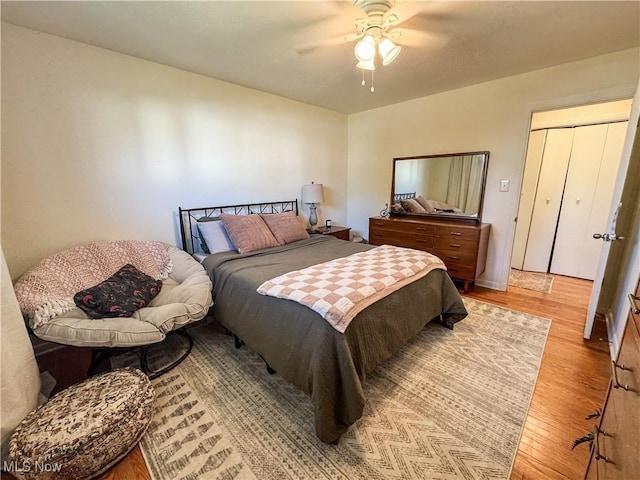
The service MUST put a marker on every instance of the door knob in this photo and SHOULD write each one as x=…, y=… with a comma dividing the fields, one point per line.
x=607, y=237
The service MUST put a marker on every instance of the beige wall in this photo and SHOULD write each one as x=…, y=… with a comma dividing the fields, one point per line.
x=99, y=145
x=493, y=116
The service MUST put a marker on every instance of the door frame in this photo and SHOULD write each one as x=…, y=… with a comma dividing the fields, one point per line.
x=568, y=116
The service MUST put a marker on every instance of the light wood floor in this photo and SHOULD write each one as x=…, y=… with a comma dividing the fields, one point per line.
x=572, y=383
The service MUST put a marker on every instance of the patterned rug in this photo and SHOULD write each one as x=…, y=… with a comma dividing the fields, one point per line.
x=540, y=282
x=450, y=405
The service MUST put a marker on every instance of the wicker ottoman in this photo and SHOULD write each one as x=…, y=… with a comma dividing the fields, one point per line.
x=83, y=430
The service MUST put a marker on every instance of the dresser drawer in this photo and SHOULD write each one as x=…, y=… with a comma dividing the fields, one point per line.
x=456, y=244
x=458, y=233
x=415, y=228
x=460, y=271
x=460, y=257
x=401, y=239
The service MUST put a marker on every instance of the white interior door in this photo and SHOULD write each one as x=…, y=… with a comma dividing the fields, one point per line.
x=611, y=303
x=569, y=251
x=548, y=198
x=533, y=161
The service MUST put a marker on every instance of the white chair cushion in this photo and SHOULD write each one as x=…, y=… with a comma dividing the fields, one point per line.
x=185, y=297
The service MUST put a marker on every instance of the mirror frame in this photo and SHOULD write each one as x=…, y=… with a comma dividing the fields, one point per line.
x=466, y=218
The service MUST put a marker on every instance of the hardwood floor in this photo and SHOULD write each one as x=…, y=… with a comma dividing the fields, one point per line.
x=572, y=383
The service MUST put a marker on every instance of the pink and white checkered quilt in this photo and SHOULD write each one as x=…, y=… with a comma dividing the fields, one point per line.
x=340, y=289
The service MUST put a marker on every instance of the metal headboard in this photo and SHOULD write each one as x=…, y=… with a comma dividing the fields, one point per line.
x=403, y=196
x=188, y=217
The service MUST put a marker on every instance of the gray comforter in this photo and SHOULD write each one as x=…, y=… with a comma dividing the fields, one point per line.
x=303, y=347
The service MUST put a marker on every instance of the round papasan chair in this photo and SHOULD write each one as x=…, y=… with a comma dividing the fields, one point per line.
x=52, y=297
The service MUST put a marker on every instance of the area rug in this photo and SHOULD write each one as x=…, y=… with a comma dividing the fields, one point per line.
x=540, y=282
x=450, y=405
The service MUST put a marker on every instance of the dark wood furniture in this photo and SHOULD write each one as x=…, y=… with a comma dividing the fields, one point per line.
x=66, y=364
x=616, y=439
x=461, y=246
x=335, y=231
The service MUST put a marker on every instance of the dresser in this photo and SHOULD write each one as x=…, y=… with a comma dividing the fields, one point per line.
x=615, y=451
x=461, y=246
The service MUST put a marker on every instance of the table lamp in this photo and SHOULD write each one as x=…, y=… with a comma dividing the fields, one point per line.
x=312, y=194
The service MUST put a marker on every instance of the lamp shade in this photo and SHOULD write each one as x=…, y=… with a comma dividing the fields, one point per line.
x=369, y=65
x=388, y=51
x=365, y=49
x=312, y=193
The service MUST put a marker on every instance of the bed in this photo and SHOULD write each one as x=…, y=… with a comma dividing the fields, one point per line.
x=297, y=342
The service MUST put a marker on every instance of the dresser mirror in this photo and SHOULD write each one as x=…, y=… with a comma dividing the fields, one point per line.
x=448, y=186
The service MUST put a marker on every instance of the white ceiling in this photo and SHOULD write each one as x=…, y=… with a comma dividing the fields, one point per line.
x=268, y=45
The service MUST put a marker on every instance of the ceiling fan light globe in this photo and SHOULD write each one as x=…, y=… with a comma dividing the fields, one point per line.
x=369, y=65
x=388, y=51
x=365, y=49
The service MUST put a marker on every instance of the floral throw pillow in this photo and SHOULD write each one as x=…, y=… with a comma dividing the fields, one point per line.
x=120, y=295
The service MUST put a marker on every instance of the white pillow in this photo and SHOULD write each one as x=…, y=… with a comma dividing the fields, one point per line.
x=215, y=236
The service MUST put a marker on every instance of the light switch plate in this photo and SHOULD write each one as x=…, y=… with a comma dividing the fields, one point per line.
x=504, y=185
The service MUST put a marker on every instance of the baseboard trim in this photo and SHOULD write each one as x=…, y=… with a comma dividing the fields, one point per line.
x=491, y=285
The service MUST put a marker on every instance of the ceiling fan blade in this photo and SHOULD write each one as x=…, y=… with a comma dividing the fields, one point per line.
x=310, y=47
x=420, y=12
x=402, y=12
x=353, y=36
x=416, y=38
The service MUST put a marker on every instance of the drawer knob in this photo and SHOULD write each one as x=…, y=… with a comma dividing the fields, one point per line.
x=614, y=375
x=596, y=445
x=455, y=245
x=457, y=234
x=453, y=257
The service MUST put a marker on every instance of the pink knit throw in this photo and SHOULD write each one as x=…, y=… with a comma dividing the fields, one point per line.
x=47, y=290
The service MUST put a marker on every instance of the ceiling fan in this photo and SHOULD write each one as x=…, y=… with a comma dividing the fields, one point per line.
x=379, y=37
x=374, y=31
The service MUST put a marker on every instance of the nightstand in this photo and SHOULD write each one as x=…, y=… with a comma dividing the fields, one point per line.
x=335, y=231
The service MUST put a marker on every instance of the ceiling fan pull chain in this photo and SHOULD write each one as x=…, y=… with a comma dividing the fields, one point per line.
x=372, y=89
x=363, y=82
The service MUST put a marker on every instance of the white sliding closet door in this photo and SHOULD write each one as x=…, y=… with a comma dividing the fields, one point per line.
x=532, y=163
x=548, y=198
x=598, y=222
x=588, y=192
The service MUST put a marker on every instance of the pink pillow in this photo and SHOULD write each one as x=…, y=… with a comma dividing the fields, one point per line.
x=424, y=203
x=411, y=205
x=248, y=232
x=286, y=227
